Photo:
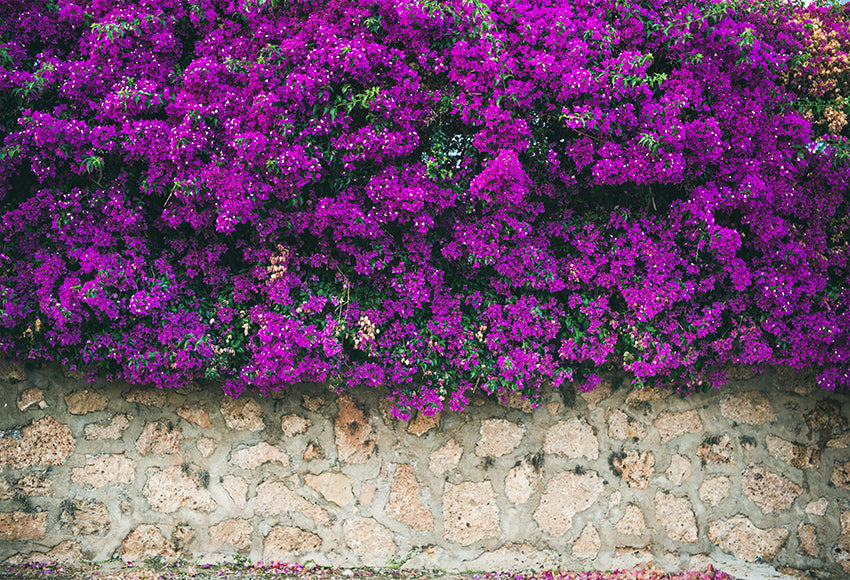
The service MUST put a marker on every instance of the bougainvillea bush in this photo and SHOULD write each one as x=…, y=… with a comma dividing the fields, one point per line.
x=439, y=197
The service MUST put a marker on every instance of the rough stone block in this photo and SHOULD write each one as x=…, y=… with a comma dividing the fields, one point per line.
x=105, y=469
x=716, y=450
x=43, y=442
x=445, y=458
x=355, y=439
x=206, y=446
x=283, y=543
x=159, y=438
x=587, y=545
x=741, y=538
x=147, y=397
x=621, y=426
x=573, y=438
x=521, y=483
x=679, y=470
x=293, y=425
x=793, y=454
x=509, y=558
x=256, y=455
x=826, y=416
x=237, y=488
x=750, y=408
x=146, y=541
x=498, y=437
x=197, y=414
x=770, y=491
x=405, y=503
x=469, y=512
x=635, y=469
x=175, y=487
x=312, y=403
x=423, y=423
x=671, y=425
x=841, y=475
x=273, y=497
x=242, y=414
x=30, y=398
x=677, y=517
x=817, y=507
x=632, y=523
x=110, y=429
x=808, y=537
x=85, y=518
x=566, y=495
x=65, y=553
x=372, y=542
x=334, y=487
x=235, y=532
x=22, y=526
x=715, y=490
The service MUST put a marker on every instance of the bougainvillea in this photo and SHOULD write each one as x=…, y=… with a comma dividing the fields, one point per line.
x=439, y=197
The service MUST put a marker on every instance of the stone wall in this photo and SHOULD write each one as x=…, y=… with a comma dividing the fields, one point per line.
x=616, y=478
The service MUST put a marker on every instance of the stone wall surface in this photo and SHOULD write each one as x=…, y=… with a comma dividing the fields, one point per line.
x=759, y=470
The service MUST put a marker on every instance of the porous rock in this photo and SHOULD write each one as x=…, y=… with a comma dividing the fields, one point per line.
x=146, y=541
x=520, y=483
x=602, y=391
x=817, y=507
x=587, y=545
x=826, y=416
x=67, y=552
x=621, y=426
x=146, y=396
x=793, y=454
x=716, y=450
x=111, y=429
x=85, y=517
x=470, y=513
x=509, y=558
x=679, y=470
x=256, y=455
x=105, y=469
x=423, y=423
x=739, y=536
x=293, y=425
x=516, y=400
x=13, y=372
x=237, y=488
x=43, y=442
x=30, y=398
x=334, y=487
x=175, y=487
x=273, y=497
x=22, y=525
x=626, y=558
x=671, y=425
x=312, y=403
x=841, y=475
x=372, y=542
x=34, y=484
x=770, y=491
x=750, y=408
x=197, y=414
x=808, y=538
x=573, y=438
x=677, y=517
x=405, y=503
x=566, y=495
x=632, y=523
x=635, y=468
x=445, y=458
x=498, y=437
x=159, y=438
x=842, y=548
x=235, y=532
x=284, y=542
x=242, y=414
x=841, y=442
x=85, y=401
x=714, y=490
x=355, y=439
x=206, y=446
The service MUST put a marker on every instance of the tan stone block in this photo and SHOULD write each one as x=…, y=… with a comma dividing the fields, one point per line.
x=793, y=454
x=273, y=497
x=511, y=558
x=826, y=416
x=313, y=451
x=817, y=507
x=498, y=437
x=146, y=541
x=33, y=484
x=333, y=486
x=445, y=458
x=516, y=400
x=750, y=408
x=521, y=483
x=716, y=450
x=110, y=429
x=13, y=372
x=602, y=391
x=85, y=518
x=22, y=526
x=105, y=469
x=206, y=446
x=808, y=538
x=405, y=503
x=715, y=490
x=65, y=553
x=43, y=442
x=373, y=543
x=256, y=455
x=235, y=532
x=646, y=395
x=566, y=495
x=30, y=398
x=677, y=517
x=469, y=512
x=632, y=523
x=85, y=401
x=237, y=488
x=679, y=470
x=621, y=426
x=293, y=425
x=842, y=549
x=181, y=536
x=197, y=414
x=841, y=475
x=355, y=439
x=672, y=425
x=312, y=403
x=175, y=487
x=588, y=543
x=635, y=469
x=626, y=558
x=146, y=396
x=283, y=543
x=368, y=491
x=770, y=491
x=423, y=423
x=242, y=414
x=842, y=442
x=739, y=537
x=553, y=408
x=159, y=438
x=573, y=438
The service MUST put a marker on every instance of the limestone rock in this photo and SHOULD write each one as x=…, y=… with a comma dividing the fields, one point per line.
x=498, y=437
x=147, y=397
x=841, y=475
x=566, y=495
x=175, y=487
x=85, y=401
x=808, y=538
x=273, y=497
x=282, y=543
x=181, y=536
x=13, y=372
x=738, y=536
x=602, y=391
x=355, y=440
x=334, y=487
x=43, y=442
x=237, y=488
x=677, y=517
x=715, y=490
x=235, y=532
x=588, y=543
x=197, y=414
x=372, y=542
x=312, y=403
x=630, y=558
x=520, y=483
x=826, y=416
x=510, y=558
x=793, y=454
x=33, y=484
x=469, y=512
x=842, y=549
x=33, y=397
x=22, y=526
x=771, y=492
x=553, y=407
x=679, y=470
x=632, y=523
x=206, y=446
x=803, y=383
x=111, y=429
x=671, y=425
x=368, y=491
x=516, y=400
x=423, y=423
x=750, y=408
x=817, y=507
x=105, y=469
x=85, y=518
x=67, y=552
x=256, y=455
x=621, y=426
x=159, y=438
x=445, y=458
x=573, y=438
x=293, y=425
x=842, y=442
x=313, y=451
x=405, y=503
x=716, y=450
x=243, y=414
x=146, y=541
x=634, y=468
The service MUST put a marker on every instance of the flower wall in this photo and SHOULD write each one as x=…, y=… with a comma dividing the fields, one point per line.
x=439, y=197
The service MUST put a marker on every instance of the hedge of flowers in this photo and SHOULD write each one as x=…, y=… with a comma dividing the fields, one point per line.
x=436, y=196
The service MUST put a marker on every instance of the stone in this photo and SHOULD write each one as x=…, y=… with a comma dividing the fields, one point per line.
x=842, y=548
x=206, y=446
x=423, y=423
x=175, y=487
x=641, y=395
x=566, y=495
x=615, y=499
x=159, y=438
x=677, y=517
x=368, y=491
x=372, y=542
x=602, y=391
x=293, y=425
x=817, y=507
x=573, y=438
x=632, y=523
x=715, y=490
x=803, y=383
x=235, y=532
x=470, y=513
x=445, y=458
x=740, y=537
x=147, y=397
x=630, y=558
x=256, y=455
x=672, y=425
x=808, y=537
x=793, y=454
x=85, y=518
x=520, y=483
x=405, y=503
x=197, y=414
x=842, y=442
x=841, y=475
x=516, y=400
x=30, y=398
x=312, y=403
x=679, y=470
x=102, y=470
x=334, y=487
x=13, y=372
x=716, y=450
x=33, y=484
x=181, y=536
x=498, y=437
x=146, y=541
x=313, y=451
x=111, y=429
x=237, y=488
x=187, y=388
x=22, y=526
x=242, y=414
x=65, y=553
x=273, y=497
x=42, y=442
x=770, y=491
x=553, y=408
x=826, y=416
x=282, y=543
x=510, y=558
x=587, y=545
x=355, y=440
x=750, y=408
x=634, y=468
x=621, y=426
